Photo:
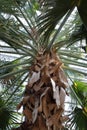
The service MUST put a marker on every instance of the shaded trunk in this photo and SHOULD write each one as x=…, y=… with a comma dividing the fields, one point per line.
x=43, y=102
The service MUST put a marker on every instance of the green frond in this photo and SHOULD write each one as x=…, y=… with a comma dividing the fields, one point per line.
x=78, y=120
x=54, y=10
x=80, y=89
x=82, y=9
x=7, y=116
x=9, y=7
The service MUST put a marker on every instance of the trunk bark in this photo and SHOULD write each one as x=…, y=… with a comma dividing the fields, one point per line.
x=43, y=102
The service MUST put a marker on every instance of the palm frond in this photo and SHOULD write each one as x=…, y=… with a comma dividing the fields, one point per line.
x=9, y=7
x=55, y=10
x=78, y=120
x=82, y=11
x=7, y=115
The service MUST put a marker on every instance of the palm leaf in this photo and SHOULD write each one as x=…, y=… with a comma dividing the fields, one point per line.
x=78, y=119
x=82, y=11
x=7, y=115
x=9, y=6
x=80, y=89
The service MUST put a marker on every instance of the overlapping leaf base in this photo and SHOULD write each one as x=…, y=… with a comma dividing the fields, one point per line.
x=43, y=102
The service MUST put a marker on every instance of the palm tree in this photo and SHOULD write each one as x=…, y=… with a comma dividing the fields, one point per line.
x=33, y=42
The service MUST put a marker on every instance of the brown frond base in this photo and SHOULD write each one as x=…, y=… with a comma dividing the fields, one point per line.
x=43, y=102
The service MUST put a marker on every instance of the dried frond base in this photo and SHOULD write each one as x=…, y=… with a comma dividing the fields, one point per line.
x=43, y=102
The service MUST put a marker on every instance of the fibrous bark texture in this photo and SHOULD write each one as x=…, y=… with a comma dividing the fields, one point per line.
x=43, y=102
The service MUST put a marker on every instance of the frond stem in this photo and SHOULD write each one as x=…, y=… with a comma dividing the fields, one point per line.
x=60, y=27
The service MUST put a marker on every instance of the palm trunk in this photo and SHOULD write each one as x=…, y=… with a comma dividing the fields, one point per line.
x=43, y=102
